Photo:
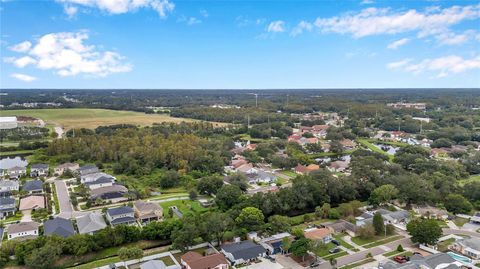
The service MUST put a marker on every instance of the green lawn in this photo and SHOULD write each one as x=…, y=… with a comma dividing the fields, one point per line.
x=384, y=241
x=374, y=241
x=443, y=246
x=289, y=173
x=372, y=147
x=17, y=152
x=460, y=221
x=338, y=237
x=18, y=216
x=324, y=252
x=185, y=206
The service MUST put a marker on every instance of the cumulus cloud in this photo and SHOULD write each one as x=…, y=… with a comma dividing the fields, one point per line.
x=162, y=7
x=450, y=38
x=398, y=43
x=22, y=47
x=189, y=20
x=276, y=27
x=376, y=21
x=23, y=77
x=442, y=66
x=68, y=55
x=367, y=2
x=302, y=26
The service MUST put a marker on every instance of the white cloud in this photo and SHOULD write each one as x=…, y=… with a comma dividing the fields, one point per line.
x=302, y=26
x=367, y=2
x=162, y=7
x=398, y=43
x=276, y=27
x=71, y=11
x=189, y=20
x=450, y=38
x=204, y=13
x=67, y=54
x=442, y=66
x=376, y=21
x=21, y=47
x=23, y=77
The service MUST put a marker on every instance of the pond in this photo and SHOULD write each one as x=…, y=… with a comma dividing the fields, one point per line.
x=387, y=148
x=7, y=163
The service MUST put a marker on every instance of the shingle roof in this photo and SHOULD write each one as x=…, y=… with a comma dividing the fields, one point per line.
x=33, y=185
x=153, y=264
x=147, y=207
x=22, y=227
x=8, y=183
x=91, y=222
x=123, y=220
x=39, y=166
x=100, y=180
x=32, y=202
x=59, y=226
x=119, y=210
x=244, y=250
x=7, y=201
x=203, y=262
x=102, y=190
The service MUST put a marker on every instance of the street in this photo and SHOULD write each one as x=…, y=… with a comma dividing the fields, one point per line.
x=65, y=205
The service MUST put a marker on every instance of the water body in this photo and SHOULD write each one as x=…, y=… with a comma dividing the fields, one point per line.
x=7, y=163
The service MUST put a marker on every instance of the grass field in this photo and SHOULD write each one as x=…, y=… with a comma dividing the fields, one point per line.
x=470, y=179
x=70, y=118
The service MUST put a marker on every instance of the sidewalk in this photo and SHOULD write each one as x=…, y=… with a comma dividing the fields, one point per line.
x=348, y=239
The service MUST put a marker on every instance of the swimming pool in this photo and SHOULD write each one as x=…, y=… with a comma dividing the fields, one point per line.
x=459, y=258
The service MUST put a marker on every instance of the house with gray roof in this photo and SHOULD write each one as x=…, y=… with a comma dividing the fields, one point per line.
x=121, y=215
x=115, y=193
x=103, y=181
x=22, y=230
x=16, y=172
x=88, y=169
x=242, y=252
x=90, y=223
x=469, y=247
x=399, y=217
x=157, y=264
x=59, y=226
x=33, y=186
x=261, y=176
x=8, y=207
x=435, y=261
x=39, y=170
x=9, y=185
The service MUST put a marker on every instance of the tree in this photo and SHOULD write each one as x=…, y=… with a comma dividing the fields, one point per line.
x=278, y=224
x=192, y=195
x=366, y=231
x=323, y=211
x=184, y=237
x=424, y=231
x=170, y=179
x=378, y=224
x=209, y=185
x=250, y=218
x=456, y=204
x=216, y=224
x=126, y=254
x=300, y=247
x=390, y=229
x=286, y=244
x=400, y=248
x=240, y=180
x=228, y=196
x=43, y=257
x=383, y=194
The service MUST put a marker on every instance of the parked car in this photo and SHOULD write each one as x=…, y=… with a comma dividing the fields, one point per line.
x=314, y=264
x=334, y=250
x=335, y=242
x=400, y=259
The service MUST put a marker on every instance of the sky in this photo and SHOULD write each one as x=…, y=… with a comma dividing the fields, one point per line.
x=228, y=44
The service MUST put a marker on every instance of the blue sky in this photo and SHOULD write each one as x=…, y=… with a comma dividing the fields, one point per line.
x=239, y=44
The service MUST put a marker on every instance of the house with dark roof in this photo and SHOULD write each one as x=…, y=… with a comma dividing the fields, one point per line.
x=103, y=181
x=33, y=186
x=115, y=193
x=90, y=223
x=8, y=207
x=121, y=215
x=59, y=226
x=94, y=177
x=88, y=169
x=242, y=252
x=342, y=226
x=195, y=260
x=274, y=243
x=39, y=170
x=435, y=261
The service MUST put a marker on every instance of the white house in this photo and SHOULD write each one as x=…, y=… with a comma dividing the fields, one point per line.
x=9, y=185
x=22, y=229
x=121, y=215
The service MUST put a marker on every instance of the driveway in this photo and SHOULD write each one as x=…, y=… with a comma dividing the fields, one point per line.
x=65, y=205
x=287, y=262
x=265, y=264
x=26, y=216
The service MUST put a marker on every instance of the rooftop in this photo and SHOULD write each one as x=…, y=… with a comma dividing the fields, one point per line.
x=22, y=227
x=119, y=210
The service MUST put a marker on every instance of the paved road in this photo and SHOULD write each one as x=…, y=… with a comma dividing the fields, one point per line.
x=466, y=232
x=66, y=208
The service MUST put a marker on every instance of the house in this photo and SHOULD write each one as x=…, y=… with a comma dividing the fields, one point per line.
x=114, y=193
x=22, y=230
x=469, y=247
x=263, y=189
x=32, y=202
x=90, y=223
x=242, y=252
x=103, y=181
x=339, y=166
x=305, y=170
x=273, y=244
x=323, y=235
x=431, y=212
x=195, y=260
x=435, y=261
x=439, y=152
x=8, y=206
x=88, y=169
x=84, y=179
x=475, y=218
x=261, y=177
x=8, y=185
x=246, y=168
x=238, y=162
x=121, y=215
x=33, y=186
x=16, y=172
x=399, y=217
x=342, y=226
x=64, y=167
x=348, y=144
x=39, y=170
x=147, y=211
x=402, y=105
x=58, y=226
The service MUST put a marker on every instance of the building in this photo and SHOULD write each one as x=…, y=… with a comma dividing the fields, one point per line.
x=146, y=212
x=242, y=252
x=90, y=223
x=33, y=186
x=32, y=202
x=59, y=226
x=469, y=247
x=8, y=123
x=94, y=177
x=399, y=218
x=402, y=105
x=22, y=230
x=261, y=177
x=103, y=181
x=431, y=212
x=435, y=261
x=475, y=218
x=114, y=193
x=273, y=244
x=9, y=185
x=88, y=169
x=194, y=260
x=342, y=226
x=305, y=170
x=339, y=166
x=16, y=172
x=323, y=235
x=62, y=168
x=39, y=170
x=8, y=206
x=121, y=215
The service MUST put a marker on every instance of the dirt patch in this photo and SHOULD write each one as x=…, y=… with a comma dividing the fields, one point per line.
x=303, y=262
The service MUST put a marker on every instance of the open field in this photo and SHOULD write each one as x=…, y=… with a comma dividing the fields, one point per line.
x=70, y=118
